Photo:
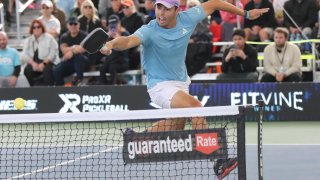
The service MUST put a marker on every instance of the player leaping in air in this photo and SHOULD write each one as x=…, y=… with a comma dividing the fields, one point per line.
x=164, y=44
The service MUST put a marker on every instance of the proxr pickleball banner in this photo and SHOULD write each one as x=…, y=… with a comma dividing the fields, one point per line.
x=174, y=145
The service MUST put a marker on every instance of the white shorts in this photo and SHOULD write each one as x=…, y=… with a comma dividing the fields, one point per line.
x=163, y=92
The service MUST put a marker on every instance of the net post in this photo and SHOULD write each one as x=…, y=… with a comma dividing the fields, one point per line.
x=241, y=144
x=260, y=157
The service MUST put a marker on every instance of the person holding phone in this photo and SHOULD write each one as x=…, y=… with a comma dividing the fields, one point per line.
x=240, y=61
x=117, y=61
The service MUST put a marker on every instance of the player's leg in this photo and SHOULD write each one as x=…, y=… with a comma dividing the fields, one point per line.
x=163, y=94
x=182, y=99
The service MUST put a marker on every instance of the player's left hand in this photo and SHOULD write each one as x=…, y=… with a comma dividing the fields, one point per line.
x=256, y=13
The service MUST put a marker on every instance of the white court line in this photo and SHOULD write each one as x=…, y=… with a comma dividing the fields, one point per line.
x=65, y=163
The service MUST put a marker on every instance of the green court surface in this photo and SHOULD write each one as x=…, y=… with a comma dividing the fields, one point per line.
x=285, y=132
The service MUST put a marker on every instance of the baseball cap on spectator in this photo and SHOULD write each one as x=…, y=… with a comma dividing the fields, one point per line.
x=47, y=3
x=169, y=3
x=113, y=19
x=128, y=3
x=73, y=20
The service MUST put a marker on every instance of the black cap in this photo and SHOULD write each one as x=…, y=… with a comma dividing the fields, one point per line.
x=73, y=20
x=113, y=19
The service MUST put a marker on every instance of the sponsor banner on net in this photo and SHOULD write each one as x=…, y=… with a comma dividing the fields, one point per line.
x=175, y=145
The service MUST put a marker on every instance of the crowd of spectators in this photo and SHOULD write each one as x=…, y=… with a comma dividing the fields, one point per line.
x=53, y=52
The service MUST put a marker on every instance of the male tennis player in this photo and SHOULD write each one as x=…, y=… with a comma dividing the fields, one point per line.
x=164, y=44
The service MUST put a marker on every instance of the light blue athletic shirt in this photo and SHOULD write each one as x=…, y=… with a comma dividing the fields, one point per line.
x=164, y=50
x=9, y=58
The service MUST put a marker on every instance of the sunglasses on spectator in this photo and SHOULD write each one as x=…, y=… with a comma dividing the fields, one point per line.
x=87, y=7
x=36, y=27
x=126, y=7
x=44, y=7
x=73, y=24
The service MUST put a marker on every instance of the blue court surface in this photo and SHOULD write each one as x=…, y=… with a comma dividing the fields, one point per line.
x=294, y=162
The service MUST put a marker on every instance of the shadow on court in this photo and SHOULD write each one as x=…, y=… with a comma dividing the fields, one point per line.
x=103, y=162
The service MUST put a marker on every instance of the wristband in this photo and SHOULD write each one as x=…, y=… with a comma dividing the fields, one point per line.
x=246, y=14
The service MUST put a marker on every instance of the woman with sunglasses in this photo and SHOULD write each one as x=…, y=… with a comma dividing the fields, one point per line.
x=88, y=19
x=41, y=53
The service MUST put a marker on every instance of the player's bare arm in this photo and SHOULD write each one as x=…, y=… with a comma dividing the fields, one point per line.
x=213, y=5
x=121, y=43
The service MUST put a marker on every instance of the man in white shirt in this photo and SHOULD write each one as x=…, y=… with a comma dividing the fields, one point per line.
x=282, y=60
x=51, y=23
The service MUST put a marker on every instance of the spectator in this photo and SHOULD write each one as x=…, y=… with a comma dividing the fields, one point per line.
x=132, y=20
x=282, y=61
x=239, y=61
x=230, y=21
x=60, y=15
x=40, y=50
x=117, y=61
x=103, y=5
x=88, y=19
x=114, y=9
x=149, y=5
x=76, y=11
x=9, y=63
x=73, y=60
x=304, y=13
x=202, y=32
x=260, y=29
x=200, y=45
x=51, y=23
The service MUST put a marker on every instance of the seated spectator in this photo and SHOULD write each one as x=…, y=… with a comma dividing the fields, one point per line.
x=114, y=9
x=9, y=63
x=132, y=20
x=117, y=61
x=60, y=15
x=149, y=5
x=202, y=32
x=40, y=50
x=88, y=19
x=230, y=22
x=51, y=23
x=304, y=13
x=76, y=11
x=260, y=29
x=240, y=61
x=74, y=59
x=200, y=45
x=282, y=61
x=102, y=6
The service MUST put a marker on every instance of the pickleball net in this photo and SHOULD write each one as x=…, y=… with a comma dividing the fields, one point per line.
x=120, y=145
